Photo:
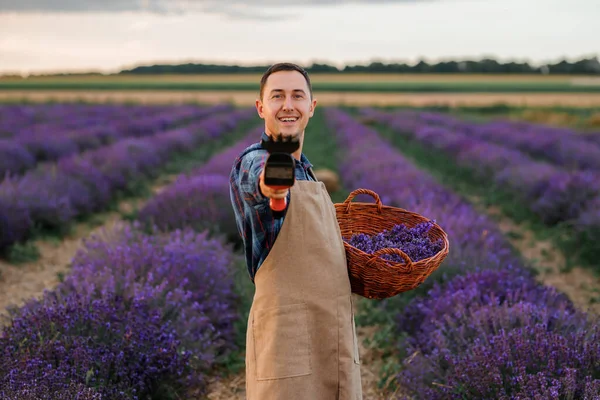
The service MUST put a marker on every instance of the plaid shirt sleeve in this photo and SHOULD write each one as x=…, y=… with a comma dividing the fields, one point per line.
x=251, y=167
x=256, y=224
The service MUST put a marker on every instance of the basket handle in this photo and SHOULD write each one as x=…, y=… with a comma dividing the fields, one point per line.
x=362, y=191
x=394, y=251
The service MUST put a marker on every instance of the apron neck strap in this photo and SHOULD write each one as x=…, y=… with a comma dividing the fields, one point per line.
x=310, y=171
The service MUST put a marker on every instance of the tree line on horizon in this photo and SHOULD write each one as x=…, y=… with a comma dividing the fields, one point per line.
x=590, y=66
x=586, y=66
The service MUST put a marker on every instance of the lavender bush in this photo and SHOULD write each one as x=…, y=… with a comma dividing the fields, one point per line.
x=15, y=222
x=120, y=347
x=198, y=199
x=586, y=233
x=14, y=158
x=185, y=276
x=197, y=202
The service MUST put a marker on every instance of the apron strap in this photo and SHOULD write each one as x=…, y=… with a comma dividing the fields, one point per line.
x=311, y=173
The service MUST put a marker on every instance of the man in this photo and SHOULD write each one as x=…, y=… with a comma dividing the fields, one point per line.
x=301, y=341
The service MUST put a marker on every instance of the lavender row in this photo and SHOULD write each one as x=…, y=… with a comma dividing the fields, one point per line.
x=593, y=137
x=562, y=146
x=53, y=140
x=491, y=331
x=197, y=199
x=551, y=192
x=52, y=198
x=18, y=119
x=140, y=316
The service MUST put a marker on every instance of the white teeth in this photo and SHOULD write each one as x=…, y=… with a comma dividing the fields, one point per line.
x=288, y=119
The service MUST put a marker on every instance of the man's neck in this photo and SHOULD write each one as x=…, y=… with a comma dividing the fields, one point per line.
x=298, y=153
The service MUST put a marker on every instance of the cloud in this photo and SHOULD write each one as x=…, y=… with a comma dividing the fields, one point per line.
x=233, y=8
x=83, y=6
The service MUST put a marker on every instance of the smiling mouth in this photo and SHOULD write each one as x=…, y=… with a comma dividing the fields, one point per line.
x=288, y=119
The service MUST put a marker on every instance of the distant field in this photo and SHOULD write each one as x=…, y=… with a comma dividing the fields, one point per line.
x=381, y=83
x=247, y=98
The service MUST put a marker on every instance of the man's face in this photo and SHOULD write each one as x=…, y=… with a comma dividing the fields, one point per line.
x=286, y=105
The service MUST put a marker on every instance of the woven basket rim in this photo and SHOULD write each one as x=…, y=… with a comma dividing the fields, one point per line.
x=400, y=210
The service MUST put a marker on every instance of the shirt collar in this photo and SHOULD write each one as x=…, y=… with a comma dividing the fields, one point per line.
x=303, y=159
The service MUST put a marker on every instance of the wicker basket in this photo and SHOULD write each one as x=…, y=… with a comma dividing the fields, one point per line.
x=370, y=275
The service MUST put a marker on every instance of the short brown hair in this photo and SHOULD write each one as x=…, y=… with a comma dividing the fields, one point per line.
x=284, y=67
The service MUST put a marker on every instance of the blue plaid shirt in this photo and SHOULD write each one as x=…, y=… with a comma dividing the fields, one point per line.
x=255, y=222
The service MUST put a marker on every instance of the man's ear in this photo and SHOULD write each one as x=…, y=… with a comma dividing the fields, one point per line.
x=259, y=108
x=313, y=105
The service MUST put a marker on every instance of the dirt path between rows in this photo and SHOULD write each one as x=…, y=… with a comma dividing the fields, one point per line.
x=19, y=283
x=578, y=283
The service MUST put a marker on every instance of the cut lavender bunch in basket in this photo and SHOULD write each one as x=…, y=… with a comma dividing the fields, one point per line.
x=414, y=241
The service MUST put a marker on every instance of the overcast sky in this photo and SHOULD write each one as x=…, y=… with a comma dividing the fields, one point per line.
x=109, y=35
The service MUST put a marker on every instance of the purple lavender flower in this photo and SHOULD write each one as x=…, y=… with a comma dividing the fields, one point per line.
x=37, y=390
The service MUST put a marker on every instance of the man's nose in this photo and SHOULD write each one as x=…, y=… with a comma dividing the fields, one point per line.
x=288, y=104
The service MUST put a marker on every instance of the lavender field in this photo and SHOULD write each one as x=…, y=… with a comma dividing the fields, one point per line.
x=154, y=307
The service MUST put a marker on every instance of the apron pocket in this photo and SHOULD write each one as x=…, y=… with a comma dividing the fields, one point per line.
x=281, y=342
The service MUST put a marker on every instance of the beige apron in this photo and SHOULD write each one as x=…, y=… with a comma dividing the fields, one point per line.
x=301, y=338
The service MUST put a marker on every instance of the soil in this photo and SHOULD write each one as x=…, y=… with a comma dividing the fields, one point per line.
x=580, y=284
x=247, y=98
